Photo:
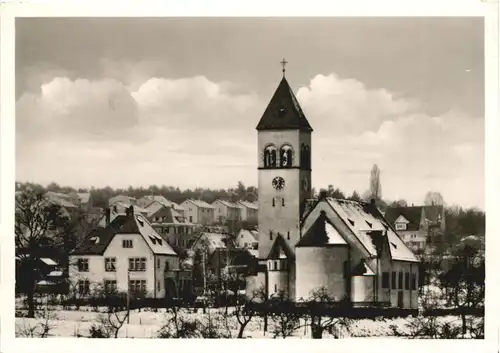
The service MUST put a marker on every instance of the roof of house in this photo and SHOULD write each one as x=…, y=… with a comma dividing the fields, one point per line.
x=98, y=240
x=227, y=203
x=124, y=205
x=247, y=204
x=169, y=216
x=413, y=214
x=199, y=203
x=283, y=111
x=84, y=197
x=363, y=219
x=249, y=234
x=321, y=233
x=60, y=199
x=212, y=240
x=151, y=199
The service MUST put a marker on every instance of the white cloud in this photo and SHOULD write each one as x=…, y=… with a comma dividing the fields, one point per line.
x=196, y=132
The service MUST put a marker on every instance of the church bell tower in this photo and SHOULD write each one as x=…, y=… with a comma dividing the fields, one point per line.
x=284, y=168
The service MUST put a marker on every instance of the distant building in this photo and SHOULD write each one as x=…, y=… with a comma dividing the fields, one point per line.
x=126, y=255
x=154, y=202
x=249, y=211
x=417, y=225
x=198, y=211
x=226, y=211
x=119, y=209
x=123, y=199
x=248, y=239
x=173, y=227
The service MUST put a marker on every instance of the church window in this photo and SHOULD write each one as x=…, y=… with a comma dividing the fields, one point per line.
x=276, y=267
x=400, y=280
x=286, y=154
x=413, y=281
x=270, y=157
x=393, y=280
x=274, y=201
x=385, y=280
x=288, y=235
x=283, y=202
x=270, y=235
x=275, y=288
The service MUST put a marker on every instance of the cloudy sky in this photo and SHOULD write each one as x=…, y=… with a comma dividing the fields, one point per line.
x=124, y=102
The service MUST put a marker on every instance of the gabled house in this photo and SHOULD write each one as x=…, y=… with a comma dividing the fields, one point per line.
x=226, y=211
x=125, y=255
x=173, y=227
x=247, y=239
x=119, y=209
x=198, y=211
x=249, y=211
x=417, y=225
x=154, y=202
x=85, y=201
x=123, y=199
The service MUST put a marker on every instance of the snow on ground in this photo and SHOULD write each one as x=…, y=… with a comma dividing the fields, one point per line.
x=147, y=323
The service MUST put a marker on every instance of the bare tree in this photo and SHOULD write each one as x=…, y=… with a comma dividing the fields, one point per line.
x=316, y=317
x=36, y=222
x=244, y=310
x=283, y=315
x=375, y=185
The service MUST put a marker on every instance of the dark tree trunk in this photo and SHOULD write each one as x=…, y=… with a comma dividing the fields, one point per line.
x=316, y=332
x=242, y=330
x=30, y=293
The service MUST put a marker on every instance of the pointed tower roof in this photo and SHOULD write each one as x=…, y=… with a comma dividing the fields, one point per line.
x=283, y=111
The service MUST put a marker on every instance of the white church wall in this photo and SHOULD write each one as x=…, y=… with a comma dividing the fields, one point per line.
x=362, y=290
x=403, y=297
x=321, y=267
x=278, y=282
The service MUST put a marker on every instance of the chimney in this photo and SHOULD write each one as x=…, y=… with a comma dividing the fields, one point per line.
x=372, y=201
x=322, y=195
x=108, y=216
x=130, y=211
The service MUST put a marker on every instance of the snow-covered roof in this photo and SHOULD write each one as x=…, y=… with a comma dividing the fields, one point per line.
x=250, y=205
x=48, y=261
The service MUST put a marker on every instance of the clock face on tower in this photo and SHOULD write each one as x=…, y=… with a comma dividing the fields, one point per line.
x=278, y=183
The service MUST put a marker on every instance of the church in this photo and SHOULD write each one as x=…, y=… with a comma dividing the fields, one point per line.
x=305, y=243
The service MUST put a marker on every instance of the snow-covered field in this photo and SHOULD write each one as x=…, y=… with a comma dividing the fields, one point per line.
x=147, y=323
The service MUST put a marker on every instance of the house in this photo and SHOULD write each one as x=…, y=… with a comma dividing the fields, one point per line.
x=85, y=201
x=249, y=211
x=151, y=202
x=345, y=247
x=123, y=199
x=126, y=255
x=418, y=224
x=226, y=211
x=68, y=205
x=216, y=251
x=117, y=209
x=173, y=227
x=198, y=211
x=248, y=239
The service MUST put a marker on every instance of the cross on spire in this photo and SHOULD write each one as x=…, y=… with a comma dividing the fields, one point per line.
x=283, y=63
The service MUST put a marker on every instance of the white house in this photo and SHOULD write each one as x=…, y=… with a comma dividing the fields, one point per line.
x=247, y=239
x=249, y=211
x=127, y=254
x=155, y=202
x=226, y=211
x=198, y=211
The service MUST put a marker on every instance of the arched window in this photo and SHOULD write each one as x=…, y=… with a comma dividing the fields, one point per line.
x=270, y=157
x=286, y=155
